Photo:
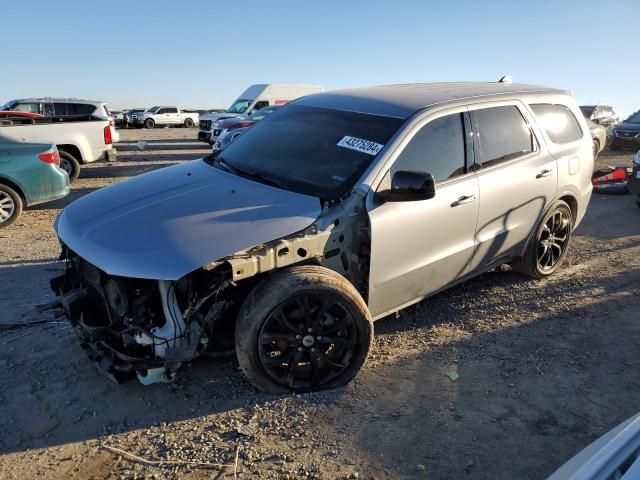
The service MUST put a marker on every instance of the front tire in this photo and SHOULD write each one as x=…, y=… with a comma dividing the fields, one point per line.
x=149, y=123
x=10, y=205
x=550, y=243
x=302, y=329
x=69, y=164
x=595, y=147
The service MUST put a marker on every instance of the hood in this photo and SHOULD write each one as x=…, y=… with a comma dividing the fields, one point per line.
x=216, y=116
x=236, y=123
x=167, y=223
x=630, y=127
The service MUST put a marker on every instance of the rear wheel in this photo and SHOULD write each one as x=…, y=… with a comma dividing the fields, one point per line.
x=69, y=164
x=10, y=205
x=550, y=243
x=302, y=329
x=149, y=123
x=188, y=123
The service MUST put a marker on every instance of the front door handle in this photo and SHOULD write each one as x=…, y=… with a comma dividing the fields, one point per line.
x=544, y=173
x=464, y=200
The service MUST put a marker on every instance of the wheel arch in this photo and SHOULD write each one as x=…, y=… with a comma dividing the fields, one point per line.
x=72, y=150
x=569, y=199
x=19, y=190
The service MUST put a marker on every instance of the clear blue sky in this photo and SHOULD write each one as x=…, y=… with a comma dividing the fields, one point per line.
x=204, y=53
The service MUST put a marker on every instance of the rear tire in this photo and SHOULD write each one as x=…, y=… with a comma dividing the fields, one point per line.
x=302, y=329
x=548, y=246
x=149, y=123
x=10, y=205
x=69, y=164
x=188, y=123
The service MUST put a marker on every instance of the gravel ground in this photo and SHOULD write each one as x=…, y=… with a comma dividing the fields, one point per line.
x=545, y=367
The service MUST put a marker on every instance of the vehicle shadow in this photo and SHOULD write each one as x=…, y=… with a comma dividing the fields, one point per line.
x=528, y=398
x=74, y=194
x=47, y=375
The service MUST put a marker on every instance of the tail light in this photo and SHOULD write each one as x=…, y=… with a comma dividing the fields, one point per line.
x=108, y=139
x=50, y=157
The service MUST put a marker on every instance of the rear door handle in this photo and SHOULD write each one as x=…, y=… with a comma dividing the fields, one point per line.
x=464, y=200
x=544, y=173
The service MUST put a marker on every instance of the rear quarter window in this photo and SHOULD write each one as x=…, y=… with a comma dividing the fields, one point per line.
x=503, y=134
x=558, y=121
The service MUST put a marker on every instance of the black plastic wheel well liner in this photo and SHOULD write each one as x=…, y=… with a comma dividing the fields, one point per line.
x=72, y=150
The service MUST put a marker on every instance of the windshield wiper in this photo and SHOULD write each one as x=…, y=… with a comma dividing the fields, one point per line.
x=258, y=177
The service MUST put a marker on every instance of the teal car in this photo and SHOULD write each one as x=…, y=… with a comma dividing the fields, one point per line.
x=30, y=173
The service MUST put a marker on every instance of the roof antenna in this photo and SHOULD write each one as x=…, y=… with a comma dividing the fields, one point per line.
x=506, y=79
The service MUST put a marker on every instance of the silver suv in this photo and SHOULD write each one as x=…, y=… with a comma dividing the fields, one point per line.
x=337, y=210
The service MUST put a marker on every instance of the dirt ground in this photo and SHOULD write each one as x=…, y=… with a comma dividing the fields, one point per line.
x=545, y=367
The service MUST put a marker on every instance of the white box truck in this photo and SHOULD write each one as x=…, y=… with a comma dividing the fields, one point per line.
x=254, y=98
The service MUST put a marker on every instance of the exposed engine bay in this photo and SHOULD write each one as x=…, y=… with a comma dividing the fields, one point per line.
x=147, y=328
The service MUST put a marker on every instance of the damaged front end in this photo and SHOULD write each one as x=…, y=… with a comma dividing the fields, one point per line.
x=135, y=327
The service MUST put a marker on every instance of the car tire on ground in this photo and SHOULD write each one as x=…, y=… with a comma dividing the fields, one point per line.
x=549, y=244
x=149, y=123
x=69, y=164
x=10, y=205
x=188, y=123
x=304, y=328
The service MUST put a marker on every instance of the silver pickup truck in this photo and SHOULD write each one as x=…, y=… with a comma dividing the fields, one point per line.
x=80, y=139
x=162, y=115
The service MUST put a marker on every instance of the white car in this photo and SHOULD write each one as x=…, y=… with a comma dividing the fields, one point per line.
x=63, y=107
x=165, y=116
x=79, y=140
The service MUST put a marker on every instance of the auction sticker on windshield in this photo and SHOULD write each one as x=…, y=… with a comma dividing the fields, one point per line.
x=360, y=145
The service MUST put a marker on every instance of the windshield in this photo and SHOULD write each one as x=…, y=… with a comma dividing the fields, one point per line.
x=8, y=106
x=239, y=106
x=635, y=118
x=314, y=151
x=153, y=109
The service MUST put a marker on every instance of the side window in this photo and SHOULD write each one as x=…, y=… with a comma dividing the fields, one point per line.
x=26, y=107
x=558, y=121
x=84, y=108
x=438, y=148
x=260, y=104
x=47, y=109
x=170, y=110
x=162, y=110
x=61, y=109
x=503, y=134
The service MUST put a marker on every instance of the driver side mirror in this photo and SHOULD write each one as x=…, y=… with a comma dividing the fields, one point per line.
x=408, y=186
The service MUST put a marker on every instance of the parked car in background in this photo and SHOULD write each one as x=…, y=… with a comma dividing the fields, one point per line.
x=598, y=137
x=601, y=114
x=63, y=107
x=165, y=116
x=29, y=175
x=339, y=209
x=612, y=456
x=230, y=125
x=254, y=98
x=624, y=134
x=127, y=117
x=79, y=139
x=59, y=107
